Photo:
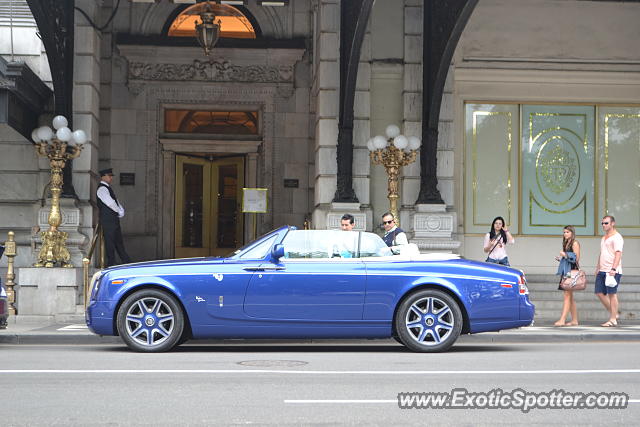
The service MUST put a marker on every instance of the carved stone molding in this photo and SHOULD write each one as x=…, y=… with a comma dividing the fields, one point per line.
x=433, y=228
x=136, y=88
x=210, y=71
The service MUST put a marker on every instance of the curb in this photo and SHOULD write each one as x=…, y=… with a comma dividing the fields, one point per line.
x=62, y=338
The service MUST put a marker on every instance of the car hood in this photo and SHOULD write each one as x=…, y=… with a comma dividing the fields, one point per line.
x=166, y=263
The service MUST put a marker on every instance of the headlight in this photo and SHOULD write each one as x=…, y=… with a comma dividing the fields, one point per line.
x=95, y=284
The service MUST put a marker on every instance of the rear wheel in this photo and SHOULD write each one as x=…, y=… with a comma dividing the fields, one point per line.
x=150, y=321
x=428, y=320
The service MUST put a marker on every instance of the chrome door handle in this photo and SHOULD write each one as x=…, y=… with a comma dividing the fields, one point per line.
x=263, y=268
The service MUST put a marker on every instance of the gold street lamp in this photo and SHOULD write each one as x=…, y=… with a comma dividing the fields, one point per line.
x=58, y=148
x=393, y=153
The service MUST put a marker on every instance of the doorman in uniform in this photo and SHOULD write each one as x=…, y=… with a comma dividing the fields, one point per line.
x=110, y=213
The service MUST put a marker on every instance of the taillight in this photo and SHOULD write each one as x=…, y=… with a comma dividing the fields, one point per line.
x=522, y=285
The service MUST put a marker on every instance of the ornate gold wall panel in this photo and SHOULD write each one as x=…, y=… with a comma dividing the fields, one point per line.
x=491, y=131
x=558, y=163
x=620, y=171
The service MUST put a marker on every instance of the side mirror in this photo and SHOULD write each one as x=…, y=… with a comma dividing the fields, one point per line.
x=277, y=252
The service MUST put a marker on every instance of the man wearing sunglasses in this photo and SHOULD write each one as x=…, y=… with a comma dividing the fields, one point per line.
x=393, y=235
x=609, y=269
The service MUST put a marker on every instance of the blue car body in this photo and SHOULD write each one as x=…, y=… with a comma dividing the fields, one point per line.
x=355, y=295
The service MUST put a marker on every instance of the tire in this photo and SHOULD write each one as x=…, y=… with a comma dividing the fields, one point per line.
x=428, y=321
x=150, y=321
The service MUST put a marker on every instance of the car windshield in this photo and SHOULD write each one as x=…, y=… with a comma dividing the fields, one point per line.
x=252, y=243
x=333, y=244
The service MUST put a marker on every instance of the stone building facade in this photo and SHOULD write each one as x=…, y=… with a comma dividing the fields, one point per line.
x=514, y=57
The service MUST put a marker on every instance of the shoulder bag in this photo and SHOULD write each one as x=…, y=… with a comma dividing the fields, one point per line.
x=576, y=282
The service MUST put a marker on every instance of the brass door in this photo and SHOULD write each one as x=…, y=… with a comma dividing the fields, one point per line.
x=208, y=216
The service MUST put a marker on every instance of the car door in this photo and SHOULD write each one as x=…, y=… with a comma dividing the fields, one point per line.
x=319, y=278
x=227, y=282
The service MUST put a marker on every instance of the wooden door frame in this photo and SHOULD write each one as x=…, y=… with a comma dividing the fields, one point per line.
x=169, y=148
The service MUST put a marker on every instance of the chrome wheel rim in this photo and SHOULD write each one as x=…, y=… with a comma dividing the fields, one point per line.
x=150, y=321
x=429, y=321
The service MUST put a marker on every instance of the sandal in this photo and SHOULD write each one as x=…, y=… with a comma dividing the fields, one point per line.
x=559, y=323
x=609, y=324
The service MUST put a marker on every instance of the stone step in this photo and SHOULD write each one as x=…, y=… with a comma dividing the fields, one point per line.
x=552, y=278
x=585, y=295
x=623, y=287
x=544, y=294
x=547, y=315
x=587, y=305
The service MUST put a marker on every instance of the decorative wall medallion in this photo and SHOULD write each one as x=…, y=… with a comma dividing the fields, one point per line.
x=557, y=167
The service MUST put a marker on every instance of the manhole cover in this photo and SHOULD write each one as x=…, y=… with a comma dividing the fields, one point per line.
x=273, y=363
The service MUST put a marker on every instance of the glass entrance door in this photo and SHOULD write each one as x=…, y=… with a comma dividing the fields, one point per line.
x=208, y=216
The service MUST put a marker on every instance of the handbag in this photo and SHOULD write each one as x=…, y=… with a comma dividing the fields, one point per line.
x=576, y=282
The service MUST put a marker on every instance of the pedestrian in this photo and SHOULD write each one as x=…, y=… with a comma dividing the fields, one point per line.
x=609, y=269
x=110, y=213
x=394, y=236
x=347, y=222
x=496, y=240
x=569, y=260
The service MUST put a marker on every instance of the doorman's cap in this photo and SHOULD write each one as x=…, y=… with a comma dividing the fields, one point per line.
x=104, y=172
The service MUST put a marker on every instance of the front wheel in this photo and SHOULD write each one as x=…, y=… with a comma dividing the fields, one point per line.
x=150, y=321
x=428, y=321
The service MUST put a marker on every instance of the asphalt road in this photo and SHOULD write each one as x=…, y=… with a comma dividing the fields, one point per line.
x=312, y=384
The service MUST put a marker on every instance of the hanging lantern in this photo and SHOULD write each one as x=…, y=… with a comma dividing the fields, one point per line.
x=207, y=31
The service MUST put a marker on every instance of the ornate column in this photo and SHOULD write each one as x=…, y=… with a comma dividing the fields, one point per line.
x=354, y=18
x=443, y=23
x=55, y=19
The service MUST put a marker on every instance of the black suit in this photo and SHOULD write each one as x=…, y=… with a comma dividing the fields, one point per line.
x=110, y=222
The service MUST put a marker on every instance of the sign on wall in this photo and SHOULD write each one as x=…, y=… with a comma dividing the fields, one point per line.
x=254, y=200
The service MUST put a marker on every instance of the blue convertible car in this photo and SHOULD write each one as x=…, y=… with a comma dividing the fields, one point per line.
x=308, y=284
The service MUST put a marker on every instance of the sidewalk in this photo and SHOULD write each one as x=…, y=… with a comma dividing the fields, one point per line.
x=45, y=330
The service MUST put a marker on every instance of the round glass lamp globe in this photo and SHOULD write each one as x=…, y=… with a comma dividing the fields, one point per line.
x=392, y=131
x=401, y=142
x=44, y=133
x=79, y=136
x=60, y=122
x=414, y=143
x=370, y=145
x=34, y=136
x=64, y=134
x=379, y=142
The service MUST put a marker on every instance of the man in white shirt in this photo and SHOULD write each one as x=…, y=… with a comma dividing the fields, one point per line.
x=393, y=235
x=110, y=213
x=609, y=265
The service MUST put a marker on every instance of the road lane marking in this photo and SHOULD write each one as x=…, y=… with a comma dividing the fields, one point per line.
x=304, y=372
x=343, y=401
x=76, y=327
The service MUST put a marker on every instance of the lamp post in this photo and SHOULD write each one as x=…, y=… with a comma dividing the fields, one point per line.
x=393, y=152
x=58, y=148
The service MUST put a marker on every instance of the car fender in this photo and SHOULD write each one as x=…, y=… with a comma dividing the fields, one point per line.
x=433, y=282
x=134, y=283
